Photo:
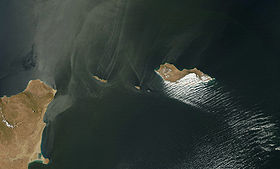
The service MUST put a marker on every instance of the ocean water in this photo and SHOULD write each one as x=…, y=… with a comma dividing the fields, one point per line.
x=199, y=126
x=247, y=136
x=128, y=130
x=230, y=122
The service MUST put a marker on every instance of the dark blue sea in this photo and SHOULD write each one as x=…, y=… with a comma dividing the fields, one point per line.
x=231, y=121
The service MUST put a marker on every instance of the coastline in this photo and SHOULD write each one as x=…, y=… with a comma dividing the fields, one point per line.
x=25, y=111
x=168, y=72
x=37, y=150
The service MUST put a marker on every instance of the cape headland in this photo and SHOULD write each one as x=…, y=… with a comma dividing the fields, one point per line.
x=21, y=125
x=170, y=73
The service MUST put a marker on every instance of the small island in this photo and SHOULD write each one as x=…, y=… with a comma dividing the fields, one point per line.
x=137, y=87
x=99, y=79
x=170, y=73
x=21, y=125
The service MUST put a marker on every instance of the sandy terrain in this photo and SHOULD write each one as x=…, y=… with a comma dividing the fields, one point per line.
x=21, y=125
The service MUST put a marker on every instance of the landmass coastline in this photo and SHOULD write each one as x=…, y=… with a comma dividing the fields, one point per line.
x=170, y=73
x=22, y=125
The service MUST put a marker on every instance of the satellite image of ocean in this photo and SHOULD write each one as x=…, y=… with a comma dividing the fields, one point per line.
x=139, y=84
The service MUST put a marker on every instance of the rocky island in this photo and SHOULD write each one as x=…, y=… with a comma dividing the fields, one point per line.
x=21, y=125
x=137, y=87
x=99, y=79
x=170, y=73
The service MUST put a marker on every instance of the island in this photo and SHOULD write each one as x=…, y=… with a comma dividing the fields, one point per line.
x=99, y=79
x=137, y=87
x=170, y=73
x=21, y=125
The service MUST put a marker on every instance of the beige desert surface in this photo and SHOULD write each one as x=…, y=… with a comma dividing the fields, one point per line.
x=22, y=125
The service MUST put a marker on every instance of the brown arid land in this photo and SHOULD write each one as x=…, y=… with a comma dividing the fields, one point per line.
x=170, y=73
x=99, y=79
x=21, y=125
